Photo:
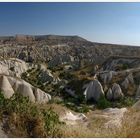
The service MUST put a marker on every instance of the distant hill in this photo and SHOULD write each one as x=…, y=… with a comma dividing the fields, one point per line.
x=50, y=39
x=59, y=37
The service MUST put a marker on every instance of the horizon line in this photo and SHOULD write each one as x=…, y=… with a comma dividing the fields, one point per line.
x=107, y=43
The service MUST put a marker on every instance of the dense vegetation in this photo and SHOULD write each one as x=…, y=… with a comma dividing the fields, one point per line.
x=28, y=119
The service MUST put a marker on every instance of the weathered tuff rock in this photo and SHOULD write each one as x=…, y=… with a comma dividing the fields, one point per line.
x=136, y=106
x=116, y=116
x=5, y=87
x=107, y=76
x=128, y=84
x=10, y=85
x=112, y=118
x=26, y=90
x=138, y=92
x=125, y=83
x=13, y=67
x=94, y=90
x=46, y=76
x=59, y=60
x=72, y=119
x=117, y=92
x=114, y=93
x=41, y=96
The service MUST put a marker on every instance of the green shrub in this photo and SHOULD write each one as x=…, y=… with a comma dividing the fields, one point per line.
x=29, y=115
x=2, y=100
x=82, y=109
x=103, y=103
x=51, y=120
x=128, y=101
x=124, y=102
x=17, y=103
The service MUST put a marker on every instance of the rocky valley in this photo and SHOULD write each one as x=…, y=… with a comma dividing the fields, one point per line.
x=67, y=86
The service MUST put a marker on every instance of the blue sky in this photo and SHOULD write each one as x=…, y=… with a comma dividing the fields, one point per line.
x=98, y=22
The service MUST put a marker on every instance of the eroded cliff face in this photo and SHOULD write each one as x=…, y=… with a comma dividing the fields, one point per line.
x=49, y=46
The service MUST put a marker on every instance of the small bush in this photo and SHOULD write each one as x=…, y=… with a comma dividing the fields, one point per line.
x=51, y=120
x=2, y=100
x=124, y=102
x=103, y=103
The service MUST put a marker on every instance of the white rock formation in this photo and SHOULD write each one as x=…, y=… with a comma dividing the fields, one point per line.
x=125, y=83
x=93, y=90
x=117, y=92
x=5, y=87
x=116, y=116
x=138, y=93
x=107, y=76
x=41, y=96
x=59, y=60
x=72, y=119
x=10, y=85
x=136, y=106
x=26, y=90
x=13, y=67
x=4, y=70
x=128, y=80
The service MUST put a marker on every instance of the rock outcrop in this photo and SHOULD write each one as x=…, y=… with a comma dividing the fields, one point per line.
x=26, y=90
x=13, y=67
x=128, y=84
x=45, y=76
x=59, y=60
x=94, y=90
x=116, y=116
x=5, y=87
x=138, y=93
x=107, y=76
x=72, y=119
x=136, y=106
x=115, y=92
x=41, y=96
x=10, y=85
